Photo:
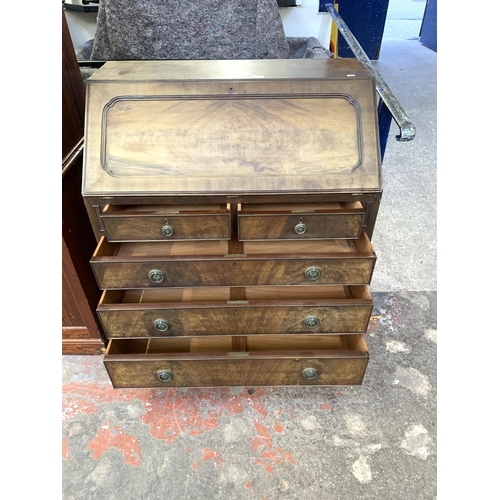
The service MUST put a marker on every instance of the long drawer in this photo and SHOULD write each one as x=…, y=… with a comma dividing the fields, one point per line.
x=237, y=361
x=172, y=312
x=210, y=263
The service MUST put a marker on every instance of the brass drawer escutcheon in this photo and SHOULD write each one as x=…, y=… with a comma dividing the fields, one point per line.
x=167, y=230
x=156, y=276
x=312, y=273
x=310, y=373
x=161, y=325
x=164, y=375
x=300, y=228
x=311, y=321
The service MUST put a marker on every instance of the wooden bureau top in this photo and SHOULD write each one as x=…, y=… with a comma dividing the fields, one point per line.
x=243, y=126
x=241, y=69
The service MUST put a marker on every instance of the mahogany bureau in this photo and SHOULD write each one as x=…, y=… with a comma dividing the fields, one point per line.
x=234, y=204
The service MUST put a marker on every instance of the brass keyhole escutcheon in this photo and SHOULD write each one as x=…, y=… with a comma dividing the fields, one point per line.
x=156, y=276
x=162, y=325
x=312, y=273
x=300, y=228
x=310, y=373
x=164, y=375
x=311, y=321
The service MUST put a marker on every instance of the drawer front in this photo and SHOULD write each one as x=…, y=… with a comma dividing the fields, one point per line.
x=293, y=227
x=119, y=275
x=173, y=227
x=336, y=271
x=234, y=319
x=237, y=370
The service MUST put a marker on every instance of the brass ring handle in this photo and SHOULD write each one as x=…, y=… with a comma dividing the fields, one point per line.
x=311, y=321
x=312, y=273
x=167, y=230
x=310, y=373
x=162, y=325
x=164, y=375
x=156, y=276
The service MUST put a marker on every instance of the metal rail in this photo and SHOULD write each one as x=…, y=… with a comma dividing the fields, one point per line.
x=389, y=105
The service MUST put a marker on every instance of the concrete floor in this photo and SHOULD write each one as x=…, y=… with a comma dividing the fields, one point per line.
x=377, y=440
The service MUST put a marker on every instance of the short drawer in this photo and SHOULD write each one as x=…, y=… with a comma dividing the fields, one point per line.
x=300, y=221
x=237, y=361
x=174, y=312
x=166, y=222
x=188, y=264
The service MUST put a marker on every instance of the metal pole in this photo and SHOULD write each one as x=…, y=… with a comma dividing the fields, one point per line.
x=406, y=126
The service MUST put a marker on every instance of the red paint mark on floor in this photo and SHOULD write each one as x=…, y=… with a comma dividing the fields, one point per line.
x=195, y=466
x=65, y=450
x=170, y=415
x=72, y=407
x=291, y=411
x=108, y=436
x=104, y=393
x=248, y=484
x=278, y=427
x=214, y=455
x=262, y=449
x=254, y=400
x=324, y=406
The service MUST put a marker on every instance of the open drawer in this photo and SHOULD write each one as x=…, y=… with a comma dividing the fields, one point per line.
x=276, y=221
x=209, y=263
x=172, y=312
x=166, y=222
x=237, y=361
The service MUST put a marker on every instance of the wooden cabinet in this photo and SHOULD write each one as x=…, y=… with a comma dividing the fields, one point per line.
x=80, y=325
x=233, y=203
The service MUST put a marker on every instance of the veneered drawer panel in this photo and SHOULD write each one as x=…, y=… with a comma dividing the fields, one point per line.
x=264, y=361
x=165, y=222
x=304, y=221
x=181, y=264
x=303, y=271
x=175, y=273
x=209, y=311
x=177, y=264
x=326, y=262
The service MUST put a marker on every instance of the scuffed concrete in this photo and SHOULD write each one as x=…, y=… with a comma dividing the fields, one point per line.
x=377, y=440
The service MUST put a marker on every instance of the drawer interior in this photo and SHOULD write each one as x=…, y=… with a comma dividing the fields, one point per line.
x=158, y=210
x=223, y=294
x=220, y=248
x=227, y=344
x=291, y=208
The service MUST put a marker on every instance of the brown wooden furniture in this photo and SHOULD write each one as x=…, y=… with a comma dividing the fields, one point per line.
x=81, y=332
x=234, y=203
